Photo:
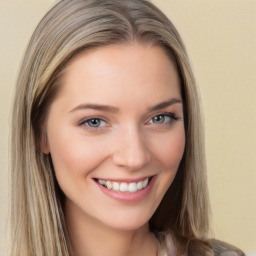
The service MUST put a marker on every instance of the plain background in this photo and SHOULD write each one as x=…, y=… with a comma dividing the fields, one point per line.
x=220, y=37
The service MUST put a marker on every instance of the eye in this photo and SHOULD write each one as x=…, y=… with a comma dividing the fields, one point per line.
x=160, y=119
x=94, y=123
x=166, y=118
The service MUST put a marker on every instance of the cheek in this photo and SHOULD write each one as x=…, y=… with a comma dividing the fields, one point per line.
x=74, y=155
x=169, y=149
x=168, y=152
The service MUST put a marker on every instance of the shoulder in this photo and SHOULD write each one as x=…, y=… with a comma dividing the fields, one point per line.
x=196, y=247
x=224, y=249
x=212, y=247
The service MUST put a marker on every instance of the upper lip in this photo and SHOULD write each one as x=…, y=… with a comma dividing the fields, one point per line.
x=125, y=180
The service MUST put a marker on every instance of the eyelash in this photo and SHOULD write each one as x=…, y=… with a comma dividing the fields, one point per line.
x=170, y=115
x=165, y=115
x=85, y=122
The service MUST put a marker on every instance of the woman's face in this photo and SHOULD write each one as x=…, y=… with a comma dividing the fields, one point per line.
x=115, y=133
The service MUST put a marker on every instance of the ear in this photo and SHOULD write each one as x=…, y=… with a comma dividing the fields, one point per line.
x=44, y=145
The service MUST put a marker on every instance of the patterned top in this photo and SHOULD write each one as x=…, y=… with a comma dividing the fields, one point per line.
x=166, y=246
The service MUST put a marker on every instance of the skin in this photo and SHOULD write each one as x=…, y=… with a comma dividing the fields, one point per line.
x=131, y=142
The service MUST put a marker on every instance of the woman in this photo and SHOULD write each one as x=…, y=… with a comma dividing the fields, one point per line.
x=107, y=143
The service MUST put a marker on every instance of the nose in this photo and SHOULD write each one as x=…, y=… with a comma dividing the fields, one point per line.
x=130, y=149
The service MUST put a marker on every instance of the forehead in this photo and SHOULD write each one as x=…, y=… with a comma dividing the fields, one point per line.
x=121, y=71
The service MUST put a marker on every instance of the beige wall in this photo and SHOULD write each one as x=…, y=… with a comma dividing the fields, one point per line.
x=220, y=36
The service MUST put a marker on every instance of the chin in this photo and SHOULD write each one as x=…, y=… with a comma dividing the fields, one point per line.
x=127, y=221
x=128, y=225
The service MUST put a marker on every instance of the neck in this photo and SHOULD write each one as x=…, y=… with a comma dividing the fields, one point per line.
x=90, y=237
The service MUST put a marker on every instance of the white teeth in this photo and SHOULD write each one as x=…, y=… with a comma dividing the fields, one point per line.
x=123, y=186
x=145, y=183
x=132, y=187
x=116, y=186
x=139, y=185
x=102, y=182
x=109, y=184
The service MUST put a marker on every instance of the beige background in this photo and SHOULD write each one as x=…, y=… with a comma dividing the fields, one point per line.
x=220, y=36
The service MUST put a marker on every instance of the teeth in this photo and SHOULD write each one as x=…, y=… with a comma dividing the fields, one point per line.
x=145, y=183
x=132, y=187
x=115, y=186
x=102, y=182
x=123, y=186
x=109, y=184
x=139, y=185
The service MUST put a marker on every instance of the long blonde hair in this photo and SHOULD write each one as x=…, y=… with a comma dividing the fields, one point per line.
x=72, y=26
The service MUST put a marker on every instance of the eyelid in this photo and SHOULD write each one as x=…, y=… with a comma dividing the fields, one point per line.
x=83, y=121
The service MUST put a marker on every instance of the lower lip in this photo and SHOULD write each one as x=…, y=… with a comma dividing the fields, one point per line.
x=128, y=197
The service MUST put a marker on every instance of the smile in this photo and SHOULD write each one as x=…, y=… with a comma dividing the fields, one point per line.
x=124, y=186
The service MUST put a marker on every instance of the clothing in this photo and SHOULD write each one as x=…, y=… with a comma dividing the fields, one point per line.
x=166, y=247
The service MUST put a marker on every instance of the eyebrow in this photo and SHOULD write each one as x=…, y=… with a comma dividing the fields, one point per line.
x=96, y=106
x=164, y=104
x=112, y=109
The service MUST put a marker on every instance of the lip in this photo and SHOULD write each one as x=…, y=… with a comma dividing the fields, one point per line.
x=128, y=197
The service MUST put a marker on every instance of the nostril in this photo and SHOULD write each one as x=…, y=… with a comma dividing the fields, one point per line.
x=130, y=149
x=131, y=160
